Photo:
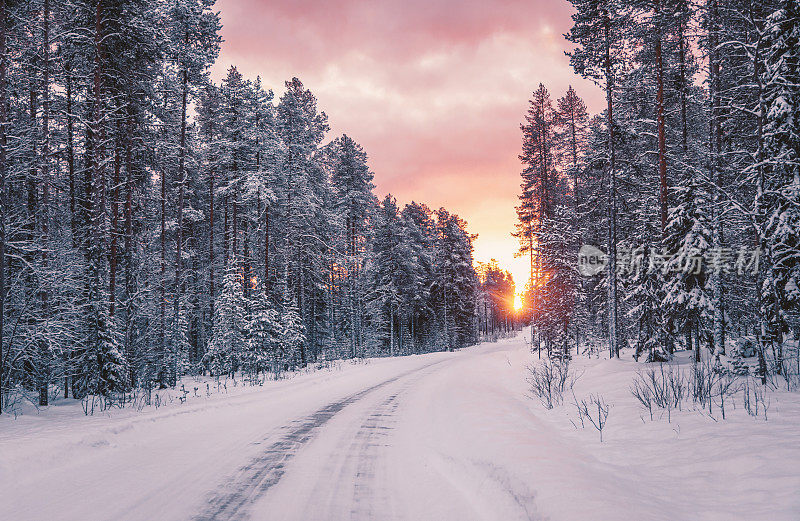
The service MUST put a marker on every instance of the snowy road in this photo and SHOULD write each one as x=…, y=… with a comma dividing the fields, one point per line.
x=433, y=437
x=353, y=444
x=344, y=473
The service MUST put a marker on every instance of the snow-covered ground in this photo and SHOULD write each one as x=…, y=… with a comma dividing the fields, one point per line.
x=439, y=436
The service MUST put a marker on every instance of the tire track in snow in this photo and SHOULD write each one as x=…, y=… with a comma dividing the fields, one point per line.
x=367, y=502
x=360, y=470
x=255, y=478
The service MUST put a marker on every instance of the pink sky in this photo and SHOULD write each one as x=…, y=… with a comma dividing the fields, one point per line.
x=434, y=90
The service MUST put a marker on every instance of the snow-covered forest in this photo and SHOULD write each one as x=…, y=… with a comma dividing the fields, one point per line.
x=154, y=224
x=688, y=182
x=209, y=311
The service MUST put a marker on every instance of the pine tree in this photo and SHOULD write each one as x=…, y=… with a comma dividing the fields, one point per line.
x=263, y=332
x=196, y=42
x=572, y=121
x=597, y=29
x=572, y=135
x=388, y=262
x=781, y=288
x=420, y=233
x=538, y=150
x=687, y=300
x=353, y=200
x=303, y=223
x=228, y=342
x=291, y=336
x=456, y=281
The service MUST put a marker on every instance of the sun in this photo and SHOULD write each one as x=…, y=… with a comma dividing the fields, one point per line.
x=517, y=302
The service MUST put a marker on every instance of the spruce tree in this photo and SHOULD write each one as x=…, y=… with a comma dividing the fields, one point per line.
x=781, y=288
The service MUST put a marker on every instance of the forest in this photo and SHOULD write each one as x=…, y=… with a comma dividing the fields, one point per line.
x=211, y=308
x=154, y=224
x=688, y=182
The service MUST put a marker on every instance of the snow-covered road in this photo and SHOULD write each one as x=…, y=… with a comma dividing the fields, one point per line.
x=348, y=444
x=431, y=437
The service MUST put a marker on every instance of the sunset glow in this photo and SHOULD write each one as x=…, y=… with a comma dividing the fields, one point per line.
x=518, y=305
x=434, y=91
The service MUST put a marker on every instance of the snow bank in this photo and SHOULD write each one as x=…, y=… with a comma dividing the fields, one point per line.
x=688, y=464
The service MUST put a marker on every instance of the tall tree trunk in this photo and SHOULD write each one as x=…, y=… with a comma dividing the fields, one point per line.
x=235, y=222
x=162, y=332
x=662, y=147
x=71, y=159
x=3, y=174
x=211, y=243
x=129, y=281
x=179, y=226
x=31, y=226
x=353, y=326
x=246, y=261
x=612, y=198
x=45, y=218
x=226, y=235
x=534, y=289
x=114, y=233
x=682, y=79
x=211, y=216
x=266, y=246
x=758, y=206
x=45, y=123
x=715, y=143
x=44, y=371
x=98, y=133
x=97, y=187
x=575, y=211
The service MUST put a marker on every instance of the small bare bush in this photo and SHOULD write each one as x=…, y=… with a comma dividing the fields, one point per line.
x=710, y=384
x=755, y=399
x=549, y=379
x=703, y=380
x=641, y=391
x=595, y=410
x=662, y=387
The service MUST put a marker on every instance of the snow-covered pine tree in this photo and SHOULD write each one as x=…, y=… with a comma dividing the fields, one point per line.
x=228, y=342
x=687, y=304
x=538, y=158
x=388, y=261
x=419, y=231
x=571, y=135
x=262, y=334
x=194, y=42
x=559, y=282
x=263, y=184
x=781, y=288
x=303, y=221
x=597, y=30
x=352, y=204
x=291, y=335
x=209, y=129
x=455, y=282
